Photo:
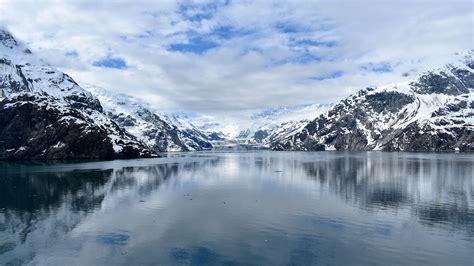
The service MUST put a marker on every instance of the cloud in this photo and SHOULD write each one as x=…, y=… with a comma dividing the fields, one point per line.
x=218, y=57
x=72, y=53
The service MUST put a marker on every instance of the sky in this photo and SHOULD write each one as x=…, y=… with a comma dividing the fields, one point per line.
x=221, y=57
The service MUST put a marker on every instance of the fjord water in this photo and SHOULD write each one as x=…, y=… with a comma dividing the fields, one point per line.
x=241, y=208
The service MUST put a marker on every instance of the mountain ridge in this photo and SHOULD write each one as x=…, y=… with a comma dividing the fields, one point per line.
x=162, y=132
x=434, y=112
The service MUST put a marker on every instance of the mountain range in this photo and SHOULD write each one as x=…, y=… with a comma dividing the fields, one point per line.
x=434, y=112
x=46, y=114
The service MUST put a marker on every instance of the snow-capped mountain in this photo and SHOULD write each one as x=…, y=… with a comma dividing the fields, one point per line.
x=255, y=128
x=212, y=128
x=162, y=132
x=45, y=114
x=21, y=71
x=215, y=128
x=435, y=112
x=276, y=124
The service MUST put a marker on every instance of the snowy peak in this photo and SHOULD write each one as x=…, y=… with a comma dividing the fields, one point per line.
x=162, y=132
x=7, y=40
x=22, y=71
x=451, y=80
x=270, y=124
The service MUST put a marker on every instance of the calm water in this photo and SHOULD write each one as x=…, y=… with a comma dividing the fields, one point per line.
x=268, y=208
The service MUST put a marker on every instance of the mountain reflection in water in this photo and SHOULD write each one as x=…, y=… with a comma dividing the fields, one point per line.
x=248, y=208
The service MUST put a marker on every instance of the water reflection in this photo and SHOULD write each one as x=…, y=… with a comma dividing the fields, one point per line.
x=438, y=189
x=37, y=208
x=257, y=208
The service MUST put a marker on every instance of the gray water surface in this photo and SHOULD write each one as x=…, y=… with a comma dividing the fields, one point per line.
x=272, y=208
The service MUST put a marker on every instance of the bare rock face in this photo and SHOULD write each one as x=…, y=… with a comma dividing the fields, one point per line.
x=42, y=127
x=433, y=113
x=419, y=138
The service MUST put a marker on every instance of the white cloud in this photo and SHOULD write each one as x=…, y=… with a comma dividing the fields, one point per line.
x=263, y=55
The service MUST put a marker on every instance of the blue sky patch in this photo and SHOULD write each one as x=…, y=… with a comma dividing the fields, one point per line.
x=200, y=43
x=307, y=57
x=317, y=43
x=199, y=12
x=332, y=75
x=225, y=32
x=111, y=62
x=287, y=27
x=378, y=67
x=197, y=45
x=299, y=57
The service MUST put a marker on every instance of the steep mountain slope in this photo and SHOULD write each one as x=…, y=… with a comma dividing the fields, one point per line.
x=21, y=71
x=162, y=132
x=433, y=113
x=280, y=133
x=47, y=115
x=214, y=128
x=194, y=138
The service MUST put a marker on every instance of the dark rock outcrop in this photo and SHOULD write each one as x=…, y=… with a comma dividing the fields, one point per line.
x=417, y=138
x=36, y=126
x=7, y=39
